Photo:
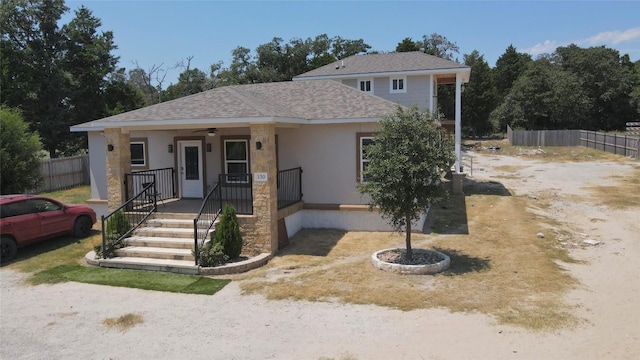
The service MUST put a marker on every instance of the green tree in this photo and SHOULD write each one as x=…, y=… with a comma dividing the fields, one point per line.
x=544, y=97
x=407, y=44
x=320, y=52
x=20, y=153
x=478, y=97
x=343, y=48
x=608, y=80
x=406, y=164
x=438, y=45
x=120, y=95
x=190, y=81
x=509, y=67
x=635, y=93
x=55, y=75
x=34, y=47
x=87, y=62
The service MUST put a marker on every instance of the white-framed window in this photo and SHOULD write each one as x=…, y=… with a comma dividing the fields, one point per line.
x=364, y=140
x=139, y=153
x=398, y=85
x=236, y=160
x=365, y=85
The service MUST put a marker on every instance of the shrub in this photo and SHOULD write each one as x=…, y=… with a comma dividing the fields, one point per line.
x=212, y=254
x=117, y=225
x=228, y=232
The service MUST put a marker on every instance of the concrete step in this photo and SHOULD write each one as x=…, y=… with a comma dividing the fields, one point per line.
x=160, y=242
x=168, y=215
x=177, y=233
x=171, y=223
x=150, y=264
x=155, y=253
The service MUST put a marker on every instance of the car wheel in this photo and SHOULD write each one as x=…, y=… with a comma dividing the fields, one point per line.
x=82, y=227
x=8, y=249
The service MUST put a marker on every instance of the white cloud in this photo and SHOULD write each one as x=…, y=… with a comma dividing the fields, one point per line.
x=548, y=46
x=603, y=38
x=613, y=37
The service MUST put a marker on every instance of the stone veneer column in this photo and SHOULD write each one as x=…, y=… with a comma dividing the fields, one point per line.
x=118, y=164
x=265, y=193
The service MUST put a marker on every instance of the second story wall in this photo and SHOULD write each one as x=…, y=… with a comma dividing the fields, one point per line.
x=417, y=90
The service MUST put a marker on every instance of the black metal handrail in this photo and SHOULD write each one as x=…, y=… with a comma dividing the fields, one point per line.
x=163, y=179
x=202, y=224
x=289, y=187
x=236, y=189
x=135, y=211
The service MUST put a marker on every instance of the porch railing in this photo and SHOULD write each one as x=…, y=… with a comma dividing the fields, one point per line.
x=120, y=223
x=236, y=189
x=202, y=224
x=289, y=187
x=163, y=180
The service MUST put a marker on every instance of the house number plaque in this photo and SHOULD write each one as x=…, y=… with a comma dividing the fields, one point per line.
x=260, y=177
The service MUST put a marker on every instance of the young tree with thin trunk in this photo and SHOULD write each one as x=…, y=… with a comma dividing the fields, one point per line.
x=406, y=162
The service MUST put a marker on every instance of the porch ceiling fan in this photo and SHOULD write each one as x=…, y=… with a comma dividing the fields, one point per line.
x=210, y=131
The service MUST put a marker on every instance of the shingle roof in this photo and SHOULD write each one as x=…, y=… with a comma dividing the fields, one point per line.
x=297, y=100
x=383, y=63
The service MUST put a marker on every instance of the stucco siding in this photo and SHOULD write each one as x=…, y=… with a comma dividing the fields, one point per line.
x=327, y=154
x=98, y=165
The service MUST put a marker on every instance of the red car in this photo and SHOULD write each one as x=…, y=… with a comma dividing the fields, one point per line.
x=26, y=219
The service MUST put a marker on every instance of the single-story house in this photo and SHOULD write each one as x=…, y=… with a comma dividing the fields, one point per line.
x=298, y=140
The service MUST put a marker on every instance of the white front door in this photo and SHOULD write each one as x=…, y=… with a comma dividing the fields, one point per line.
x=190, y=167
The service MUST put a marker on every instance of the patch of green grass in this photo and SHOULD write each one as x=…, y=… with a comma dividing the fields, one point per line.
x=146, y=280
x=77, y=195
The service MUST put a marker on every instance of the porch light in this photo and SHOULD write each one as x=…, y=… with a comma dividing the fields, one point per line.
x=208, y=147
x=258, y=145
x=170, y=148
x=110, y=147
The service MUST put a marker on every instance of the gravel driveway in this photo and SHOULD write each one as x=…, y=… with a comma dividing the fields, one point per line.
x=65, y=321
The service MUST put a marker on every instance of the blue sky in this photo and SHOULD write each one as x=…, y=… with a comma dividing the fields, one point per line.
x=155, y=32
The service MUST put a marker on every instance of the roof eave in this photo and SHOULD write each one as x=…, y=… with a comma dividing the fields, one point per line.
x=461, y=70
x=218, y=122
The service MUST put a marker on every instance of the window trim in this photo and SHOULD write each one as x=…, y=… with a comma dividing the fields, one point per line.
x=223, y=153
x=145, y=153
x=370, y=80
x=359, y=161
x=404, y=85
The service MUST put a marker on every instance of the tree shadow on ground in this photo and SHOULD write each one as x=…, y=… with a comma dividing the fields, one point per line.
x=448, y=217
x=312, y=242
x=475, y=187
x=462, y=263
x=46, y=246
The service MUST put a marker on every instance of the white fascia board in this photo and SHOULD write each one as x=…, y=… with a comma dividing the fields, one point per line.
x=463, y=71
x=200, y=123
x=340, y=121
x=173, y=123
x=85, y=127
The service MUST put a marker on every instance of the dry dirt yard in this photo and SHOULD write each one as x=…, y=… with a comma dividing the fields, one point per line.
x=595, y=200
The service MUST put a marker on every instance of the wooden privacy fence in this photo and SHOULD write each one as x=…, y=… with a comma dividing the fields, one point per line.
x=620, y=144
x=543, y=137
x=63, y=173
x=613, y=143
